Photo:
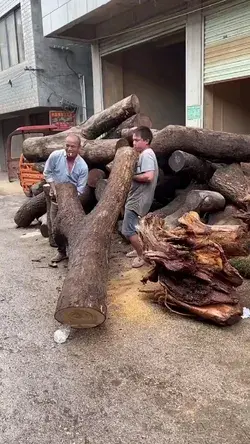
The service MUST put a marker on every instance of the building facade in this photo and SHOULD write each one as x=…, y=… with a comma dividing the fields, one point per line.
x=188, y=61
x=38, y=74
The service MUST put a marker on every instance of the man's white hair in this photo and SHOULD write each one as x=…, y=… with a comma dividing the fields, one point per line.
x=76, y=136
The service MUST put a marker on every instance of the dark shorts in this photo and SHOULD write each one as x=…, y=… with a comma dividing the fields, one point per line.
x=130, y=220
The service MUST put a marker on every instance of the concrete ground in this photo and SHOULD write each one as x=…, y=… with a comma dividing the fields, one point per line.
x=146, y=376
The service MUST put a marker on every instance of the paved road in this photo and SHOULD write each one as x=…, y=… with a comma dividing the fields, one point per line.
x=145, y=377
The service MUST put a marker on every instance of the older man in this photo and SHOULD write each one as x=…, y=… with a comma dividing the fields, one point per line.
x=66, y=166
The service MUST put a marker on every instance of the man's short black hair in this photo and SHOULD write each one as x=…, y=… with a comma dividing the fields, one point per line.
x=145, y=133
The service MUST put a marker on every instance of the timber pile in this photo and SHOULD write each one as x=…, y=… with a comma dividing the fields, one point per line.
x=201, y=171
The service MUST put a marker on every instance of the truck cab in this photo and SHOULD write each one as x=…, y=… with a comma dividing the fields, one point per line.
x=18, y=167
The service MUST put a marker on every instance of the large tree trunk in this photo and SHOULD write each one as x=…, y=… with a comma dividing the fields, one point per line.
x=208, y=144
x=82, y=303
x=111, y=117
x=134, y=121
x=33, y=208
x=231, y=182
x=199, y=169
x=199, y=201
x=38, y=149
x=192, y=268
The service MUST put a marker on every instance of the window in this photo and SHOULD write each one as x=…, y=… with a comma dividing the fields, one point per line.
x=11, y=40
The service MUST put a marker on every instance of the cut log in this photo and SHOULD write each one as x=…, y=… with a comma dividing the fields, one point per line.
x=100, y=188
x=111, y=117
x=37, y=188
x=38, y=166
x=208, y=144
x=231, y=182
x=178, y=201
x=32, y=209
x=192, y=268
x=127, y=133
x=229, y=216
x=199, y=169
x=82, y=303
x=134, y=121
x=44, y=226
x=94, y=175
x=199, y=201
x=93, y=152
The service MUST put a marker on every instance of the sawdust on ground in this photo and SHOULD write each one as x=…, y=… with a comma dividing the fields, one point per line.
x=128, y=298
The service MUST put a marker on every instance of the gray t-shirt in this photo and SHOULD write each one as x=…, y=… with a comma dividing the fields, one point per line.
x=141, y=195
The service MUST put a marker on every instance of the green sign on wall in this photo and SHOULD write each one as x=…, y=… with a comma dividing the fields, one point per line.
x=194, y=112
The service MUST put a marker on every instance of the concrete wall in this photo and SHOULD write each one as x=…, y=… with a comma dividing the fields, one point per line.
x=227, y=107
x=58, y=82
x=155, y=75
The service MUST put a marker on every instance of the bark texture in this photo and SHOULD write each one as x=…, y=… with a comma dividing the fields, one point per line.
x=208, y=144
x=231, y=182
x=82, y=303
x=32, y=209
x=111, y=117
x=134, y=121
x=92, y=151
x=192, y=269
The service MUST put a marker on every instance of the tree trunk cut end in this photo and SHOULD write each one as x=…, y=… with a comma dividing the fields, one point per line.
x=81, y=317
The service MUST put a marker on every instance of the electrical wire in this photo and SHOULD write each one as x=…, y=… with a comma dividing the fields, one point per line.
x=55, y=93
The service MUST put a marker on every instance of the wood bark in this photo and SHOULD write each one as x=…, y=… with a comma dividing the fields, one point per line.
x=100, y=188
x=198, y=168
x=208, y=144
x=32, y=209
x=199, y=201
x=82, y=303
x=37, y=149
x=231, y=182
x=111, y=117
x=94, y=175
x=134, y=121
x=192, y=268
x=229, y=216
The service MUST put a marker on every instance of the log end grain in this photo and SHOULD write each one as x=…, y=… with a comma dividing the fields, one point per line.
x=81, y=317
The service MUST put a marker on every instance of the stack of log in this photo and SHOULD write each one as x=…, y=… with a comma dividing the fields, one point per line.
x=201, y=171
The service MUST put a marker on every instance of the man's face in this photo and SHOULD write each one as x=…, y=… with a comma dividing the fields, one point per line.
x=139, y=144
x=72, y=147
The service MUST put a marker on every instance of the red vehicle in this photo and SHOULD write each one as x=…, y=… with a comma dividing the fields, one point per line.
x=18, y=166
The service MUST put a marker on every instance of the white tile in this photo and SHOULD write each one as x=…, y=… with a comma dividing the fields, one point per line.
x=62, y=2
x=47, y=25
x=48, y=6
x=76, y=9
x=59, y=18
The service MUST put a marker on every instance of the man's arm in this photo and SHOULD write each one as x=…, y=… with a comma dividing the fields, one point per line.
x=144, y=177
x=147, y=170
x=82, y=179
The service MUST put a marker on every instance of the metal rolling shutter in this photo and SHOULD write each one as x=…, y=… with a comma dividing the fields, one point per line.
x=227, y=43
x=140, y=34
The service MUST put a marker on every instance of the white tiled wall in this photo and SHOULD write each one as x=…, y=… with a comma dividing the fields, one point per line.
x=59, y=13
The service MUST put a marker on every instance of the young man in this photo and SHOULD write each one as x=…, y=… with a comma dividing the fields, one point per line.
x=66, y=166
x=142, y=191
